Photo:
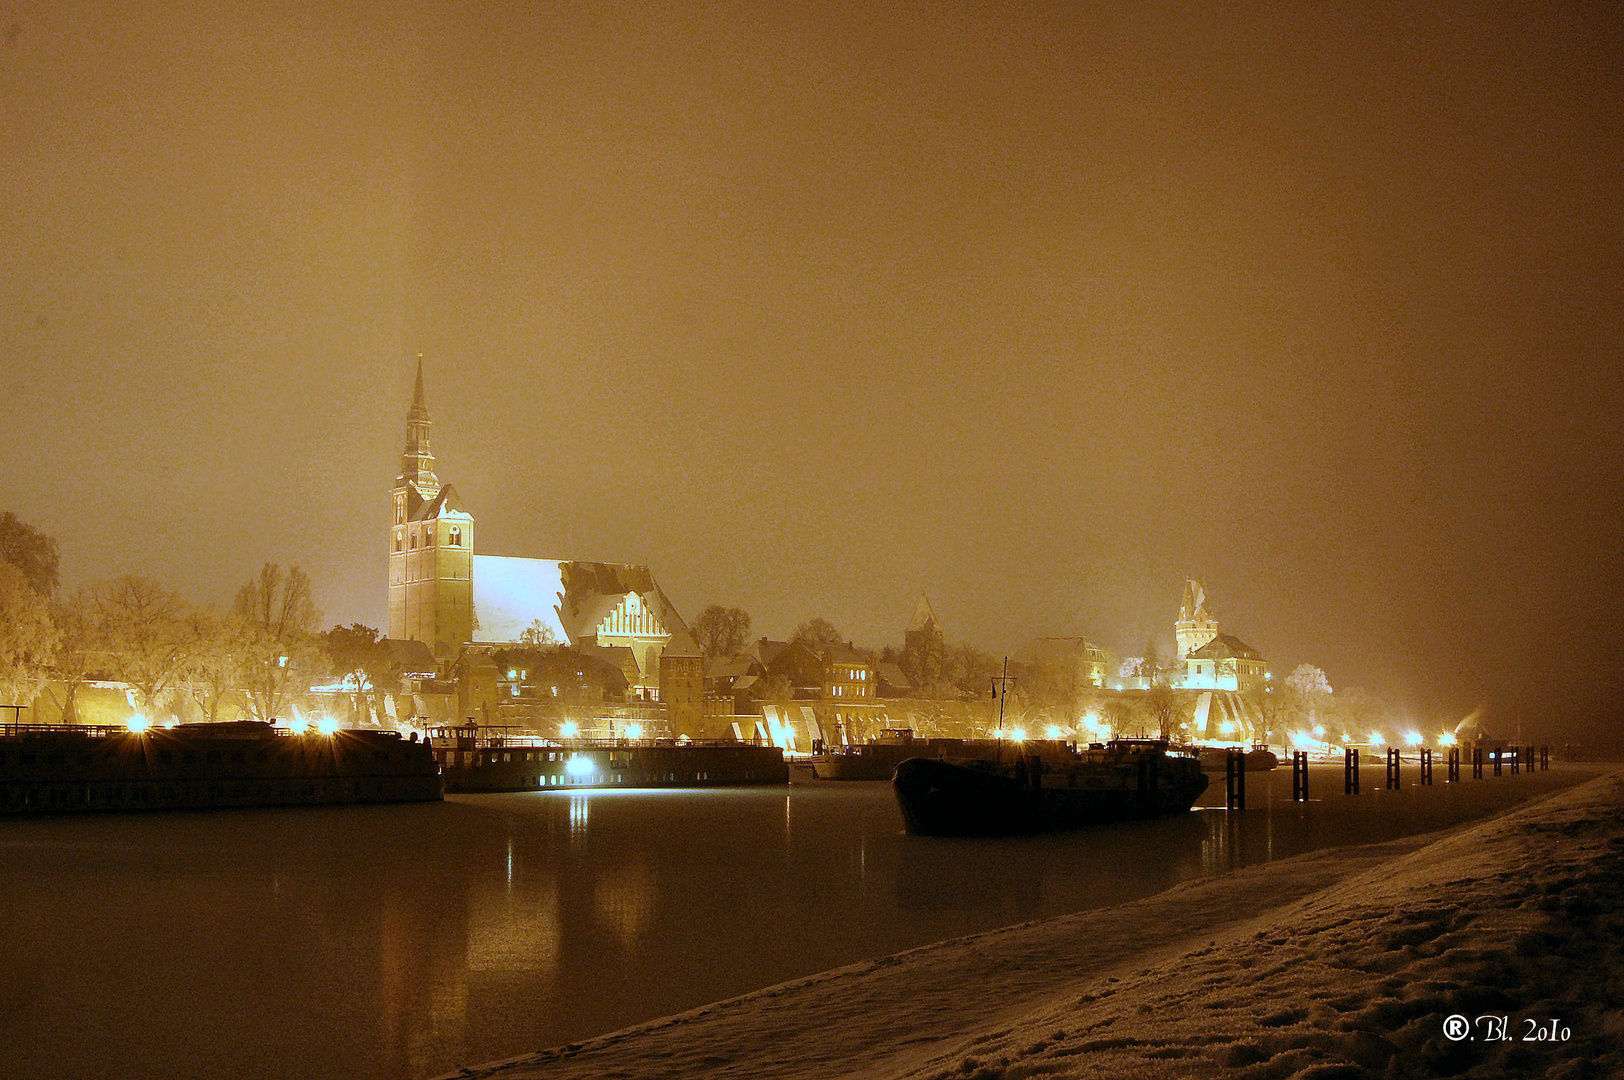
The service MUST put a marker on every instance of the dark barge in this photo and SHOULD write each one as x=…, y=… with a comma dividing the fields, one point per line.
x=477, y=760
x=1121, y=780
x=879, y=758
x=84, y=769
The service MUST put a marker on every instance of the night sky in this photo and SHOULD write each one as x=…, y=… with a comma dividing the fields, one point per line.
x=1036, y=308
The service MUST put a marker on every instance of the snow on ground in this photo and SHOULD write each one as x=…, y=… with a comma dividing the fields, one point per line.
x=1339, y=963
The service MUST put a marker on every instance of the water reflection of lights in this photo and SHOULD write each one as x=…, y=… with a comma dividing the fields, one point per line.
x=624, y=903
x=580, y=807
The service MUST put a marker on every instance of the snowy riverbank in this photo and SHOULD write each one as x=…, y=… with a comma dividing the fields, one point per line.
x=1340, y=963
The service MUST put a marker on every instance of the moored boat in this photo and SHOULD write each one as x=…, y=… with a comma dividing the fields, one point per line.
x=878, y=760
x=874, y=760
x=74, y=769
x=1125, y=779
x=479, y=760
x=1215, y=759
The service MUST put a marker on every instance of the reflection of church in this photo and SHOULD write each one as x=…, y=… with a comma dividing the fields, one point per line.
x=443, y=594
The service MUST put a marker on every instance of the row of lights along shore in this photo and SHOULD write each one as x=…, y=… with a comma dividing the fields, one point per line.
x=326, y=725
x=1299, y=740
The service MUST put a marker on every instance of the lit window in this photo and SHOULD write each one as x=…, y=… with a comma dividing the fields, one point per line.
x=397, y=542
x=414, y=542
x=456, y=536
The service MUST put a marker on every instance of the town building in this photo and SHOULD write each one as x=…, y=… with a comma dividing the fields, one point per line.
x=1225, y=663
x=1078, y=660
x=1211, y=660
x=446, y=595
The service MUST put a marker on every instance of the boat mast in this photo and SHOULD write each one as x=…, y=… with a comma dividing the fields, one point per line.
x=1000, y=690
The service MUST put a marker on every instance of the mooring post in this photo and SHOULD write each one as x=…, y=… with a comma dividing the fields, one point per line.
x=1452, y=766
x=1499, y=758
x=1477, y=763
x=1392, y=768
x=1350, y=771
x=1235, y=780
x=1299, y=775
x=1516, y=760
x=1545, y=758
x=1426, y=766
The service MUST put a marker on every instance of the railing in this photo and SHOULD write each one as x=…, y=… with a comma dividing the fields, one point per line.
x=486, y=738
x=98, y=730
x=102, y=731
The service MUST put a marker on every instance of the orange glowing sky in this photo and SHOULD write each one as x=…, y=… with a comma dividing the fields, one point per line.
x=1034, y=307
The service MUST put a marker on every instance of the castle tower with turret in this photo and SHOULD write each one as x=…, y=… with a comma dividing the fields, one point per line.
x=431, y=547
x=1196, y=625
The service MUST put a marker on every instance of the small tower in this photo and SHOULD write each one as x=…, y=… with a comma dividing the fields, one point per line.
x=923, y=648
x=1196, y=625
x=682, y=685
x=431, y=547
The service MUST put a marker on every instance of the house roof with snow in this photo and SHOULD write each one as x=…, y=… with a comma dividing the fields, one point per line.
x=890, y=677
x=840, y=653
x=1224, y=647
x=414, y=658
x=574, y=601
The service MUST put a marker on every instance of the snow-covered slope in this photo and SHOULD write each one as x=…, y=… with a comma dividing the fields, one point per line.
x=1340, y=963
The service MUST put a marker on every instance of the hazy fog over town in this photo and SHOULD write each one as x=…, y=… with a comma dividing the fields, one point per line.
x=1036, y=309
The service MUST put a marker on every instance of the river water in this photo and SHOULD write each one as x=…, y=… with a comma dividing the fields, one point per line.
x=402, y=942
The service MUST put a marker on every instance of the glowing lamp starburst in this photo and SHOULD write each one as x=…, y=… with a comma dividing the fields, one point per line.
x=569, y=729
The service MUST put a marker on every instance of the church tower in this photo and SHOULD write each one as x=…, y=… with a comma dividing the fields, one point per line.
x=431, y=547
x=1196, y=626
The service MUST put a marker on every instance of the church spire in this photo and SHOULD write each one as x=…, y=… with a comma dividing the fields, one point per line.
x=420, y=408
x=417, y=463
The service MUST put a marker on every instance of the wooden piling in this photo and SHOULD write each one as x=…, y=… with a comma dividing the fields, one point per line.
x=1426, y=766
x=1350, y=771
x=1452, y=766
x=1392, y=768
x=1235, y=780
x=1299, y=775
x=1477, y=763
